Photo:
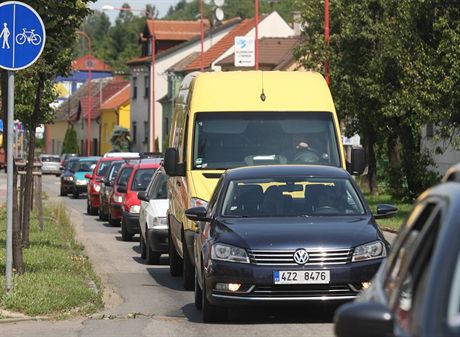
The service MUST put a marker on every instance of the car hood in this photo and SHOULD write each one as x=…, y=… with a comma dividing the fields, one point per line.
x=80, y=175
x=292, y=233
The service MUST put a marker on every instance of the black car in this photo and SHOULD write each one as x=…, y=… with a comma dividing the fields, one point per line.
x=416, y=292
x=294, y=234
x=67, y=176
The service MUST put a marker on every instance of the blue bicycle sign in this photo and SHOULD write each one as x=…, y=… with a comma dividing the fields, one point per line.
x=22, y=35
x=29, y=36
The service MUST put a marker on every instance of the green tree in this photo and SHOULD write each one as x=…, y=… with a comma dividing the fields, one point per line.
x=394, y=67
x=70, y=144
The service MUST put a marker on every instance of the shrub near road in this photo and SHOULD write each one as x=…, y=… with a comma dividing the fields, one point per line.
x=59, y=280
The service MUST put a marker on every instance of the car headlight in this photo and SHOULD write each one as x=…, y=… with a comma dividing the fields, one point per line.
x=160, y=222
x=68, y=178
x=229, y=253
x=196, y=202
x=97, y=188
x=369, y=251
x=135, y=209
x=118, y=198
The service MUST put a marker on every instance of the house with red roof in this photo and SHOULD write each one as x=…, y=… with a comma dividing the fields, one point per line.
x=174, y=40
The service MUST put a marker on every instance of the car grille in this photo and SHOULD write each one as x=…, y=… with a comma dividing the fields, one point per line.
x=320, y=257
x=303, y=290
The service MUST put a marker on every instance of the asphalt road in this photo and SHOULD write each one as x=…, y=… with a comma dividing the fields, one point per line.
x=145, y=300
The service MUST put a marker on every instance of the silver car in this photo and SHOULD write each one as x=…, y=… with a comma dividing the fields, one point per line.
x=51, y=164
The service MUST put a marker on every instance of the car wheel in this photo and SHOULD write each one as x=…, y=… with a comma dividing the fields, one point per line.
x=212, y=313
x=175, y=262
x=62, y=192
x=142, y=247
x=188, y=270
x=58, y=175
x=198, y=293
x=76, y=195
x=151, y=256
x=125, y=235
x=103, y=215
x=88, y=208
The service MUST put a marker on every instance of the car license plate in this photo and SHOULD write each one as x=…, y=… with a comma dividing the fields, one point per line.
x=302, y=277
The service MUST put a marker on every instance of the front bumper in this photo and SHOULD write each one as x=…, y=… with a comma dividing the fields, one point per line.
x=79, y=189
x=158, y=239
x=259, y=288
x=131, y=222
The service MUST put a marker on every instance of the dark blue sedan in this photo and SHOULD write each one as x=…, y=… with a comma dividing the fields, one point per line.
x=291, y=233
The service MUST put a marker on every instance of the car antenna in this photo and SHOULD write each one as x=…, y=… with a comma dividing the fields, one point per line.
x=262, y=95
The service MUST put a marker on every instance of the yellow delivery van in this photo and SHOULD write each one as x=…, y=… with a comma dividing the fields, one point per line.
x=224, y=120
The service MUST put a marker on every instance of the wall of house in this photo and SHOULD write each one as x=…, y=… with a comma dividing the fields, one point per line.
x=441, y=150
x=81, y=127
x=108, y=121
x=56, y=138
x=140, y=105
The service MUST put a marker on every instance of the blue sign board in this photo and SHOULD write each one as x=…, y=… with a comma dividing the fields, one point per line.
x=22, y=35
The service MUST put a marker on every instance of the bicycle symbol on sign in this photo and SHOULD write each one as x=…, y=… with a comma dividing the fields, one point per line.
x=29, y=36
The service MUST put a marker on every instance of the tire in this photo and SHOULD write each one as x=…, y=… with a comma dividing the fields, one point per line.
x=212, y=313
x=188, y=270
x=198, y=293
x=125, y=235
x=175, y=262
x=62, y=192
x=76, y=195
x=88, y=208
x=142, y=247
x=58, y=175
x=103, y=216
x=113, y=223
x=151, y=257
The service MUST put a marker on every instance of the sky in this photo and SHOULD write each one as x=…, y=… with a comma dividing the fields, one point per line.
x=161, y=5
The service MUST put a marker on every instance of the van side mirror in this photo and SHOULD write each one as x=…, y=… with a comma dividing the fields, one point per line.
x=171, y=163
x=357, y=163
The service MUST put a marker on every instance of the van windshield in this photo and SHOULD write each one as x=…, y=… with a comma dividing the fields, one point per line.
x=225, y=140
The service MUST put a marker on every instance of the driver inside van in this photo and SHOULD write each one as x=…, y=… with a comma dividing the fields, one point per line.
x=302, y=151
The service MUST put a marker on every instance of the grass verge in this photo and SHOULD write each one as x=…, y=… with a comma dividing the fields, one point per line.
x=59, y=281
x=394, y=223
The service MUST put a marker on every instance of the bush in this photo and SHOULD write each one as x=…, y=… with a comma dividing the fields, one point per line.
x=70, y=144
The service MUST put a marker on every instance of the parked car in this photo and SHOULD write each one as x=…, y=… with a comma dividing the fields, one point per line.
x=76, y=181
x=293, y=234
x=121, y=155
x=67, y=176
x=452, y=174
x=65, y=157
x=141, y=175
x=106, y=188
x=152, y=218
x=416, y=292
x=94, y=183
x=117, y=197
x=51, y=164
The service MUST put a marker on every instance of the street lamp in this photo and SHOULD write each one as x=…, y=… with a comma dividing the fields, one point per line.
x=152, y=72
x=89, y=65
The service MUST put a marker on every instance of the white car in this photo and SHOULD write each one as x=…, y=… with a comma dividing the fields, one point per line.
x=51, y=164
x=152, y=218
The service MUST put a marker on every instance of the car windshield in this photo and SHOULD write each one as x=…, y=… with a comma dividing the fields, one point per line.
x=85, y=165
x=103, y=168
x=124, y=176
x=50, y=159
x=228, y=140
x=291, y=197
x=142, y=179
x=112, y=173
x=72, y=165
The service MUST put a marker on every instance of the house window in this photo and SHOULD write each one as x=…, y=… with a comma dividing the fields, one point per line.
x=146, y=132
x=134, y=133
x=147, y=85
x=134, y=92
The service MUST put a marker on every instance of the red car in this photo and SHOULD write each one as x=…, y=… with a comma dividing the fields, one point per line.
x=117, y=197
x=94, y=184
x=141, y=175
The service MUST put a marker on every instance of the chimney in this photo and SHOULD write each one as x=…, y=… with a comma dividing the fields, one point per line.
x=296, y=21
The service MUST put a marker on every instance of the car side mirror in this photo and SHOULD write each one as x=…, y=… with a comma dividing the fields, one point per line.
x=357, y=164
x=385, y=211
x=143, y=196
x=196, y=214
x=171, y=163
x=364, y=319
x=88, y=176
x=122, y=189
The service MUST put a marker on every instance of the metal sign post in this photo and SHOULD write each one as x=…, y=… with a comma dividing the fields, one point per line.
x=22, y=39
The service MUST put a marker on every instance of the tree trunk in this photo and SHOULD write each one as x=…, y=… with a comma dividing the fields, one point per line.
x=30, y=161
x=372, y=162
x=18, y=261
x=412, y=165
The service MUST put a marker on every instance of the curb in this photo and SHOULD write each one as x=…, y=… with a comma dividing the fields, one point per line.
x=23, y=319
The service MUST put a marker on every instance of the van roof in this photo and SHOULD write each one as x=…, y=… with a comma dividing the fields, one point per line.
x=242, y=90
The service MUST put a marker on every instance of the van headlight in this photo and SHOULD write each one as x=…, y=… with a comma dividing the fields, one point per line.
x=229, y=253
x=369, y=251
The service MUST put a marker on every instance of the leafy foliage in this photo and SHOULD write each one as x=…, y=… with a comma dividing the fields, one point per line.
x=70, y=144
x=394, y=68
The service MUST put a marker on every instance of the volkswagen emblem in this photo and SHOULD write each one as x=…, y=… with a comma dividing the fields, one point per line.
x=301, y=256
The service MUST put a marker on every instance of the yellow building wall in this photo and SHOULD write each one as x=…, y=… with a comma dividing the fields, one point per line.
x=109, y=120
x=56, y=136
